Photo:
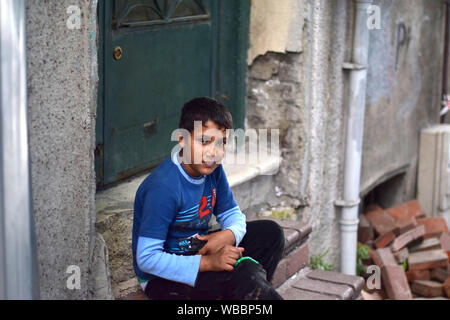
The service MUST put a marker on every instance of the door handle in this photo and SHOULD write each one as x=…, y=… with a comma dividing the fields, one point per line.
x=117, y=53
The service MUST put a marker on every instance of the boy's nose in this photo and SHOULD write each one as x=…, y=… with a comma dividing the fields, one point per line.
x=212, y=150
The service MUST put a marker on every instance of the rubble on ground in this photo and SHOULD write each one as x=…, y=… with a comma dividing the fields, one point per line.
x=411, y=250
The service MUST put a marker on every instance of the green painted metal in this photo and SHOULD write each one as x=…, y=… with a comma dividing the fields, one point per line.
x=167, y=59
x=232, y=47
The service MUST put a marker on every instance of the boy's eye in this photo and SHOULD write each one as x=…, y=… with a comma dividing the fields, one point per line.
x=203, y=140
x=219, y=142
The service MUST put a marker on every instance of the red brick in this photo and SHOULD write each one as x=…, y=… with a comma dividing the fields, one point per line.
x=446, y=287
x=279, y=276
x=370, y=244
x=297, y=259
x=402, y=255
x=290, y=238
x=413, y=275
x=406, y=238
x=381, y=221
x=384, y=240
x=439, y=274
x=433, y=226
x=406, y=210
x=365, y=229
x=299, y=294
x=414, y=209
x=372, y=207
x=427, y=244
x=395, y=283
x=427, y=288
x=383, y=257
x=445, y=241
x=427, y=259
x=356, y=282
x=344, y=292
x=406, y=224
x=445, y=244
x=303, y=229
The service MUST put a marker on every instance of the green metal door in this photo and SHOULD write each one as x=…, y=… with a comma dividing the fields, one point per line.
x=157, y=54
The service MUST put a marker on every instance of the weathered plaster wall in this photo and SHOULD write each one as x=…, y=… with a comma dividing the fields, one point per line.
x=304, y=95
x=275, y=27
x=301, y=94
x=62, y=87
x=403, y=91
x=324, y=93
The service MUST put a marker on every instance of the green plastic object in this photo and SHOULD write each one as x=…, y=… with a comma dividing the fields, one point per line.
x=245, y=258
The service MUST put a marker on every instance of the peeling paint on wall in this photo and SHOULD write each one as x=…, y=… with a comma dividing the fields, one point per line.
x=275, y=26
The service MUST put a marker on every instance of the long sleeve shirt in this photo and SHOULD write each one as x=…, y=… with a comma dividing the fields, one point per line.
x=170, y=206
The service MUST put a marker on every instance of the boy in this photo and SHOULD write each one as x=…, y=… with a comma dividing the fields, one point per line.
x=174, y=256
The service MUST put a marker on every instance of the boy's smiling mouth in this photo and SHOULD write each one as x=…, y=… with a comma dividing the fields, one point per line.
x=209, y=164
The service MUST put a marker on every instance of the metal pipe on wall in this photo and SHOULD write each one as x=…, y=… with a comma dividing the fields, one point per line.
x=354, y=136
x=18, y=256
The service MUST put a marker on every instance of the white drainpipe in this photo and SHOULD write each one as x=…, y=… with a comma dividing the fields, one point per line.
x=354, y=136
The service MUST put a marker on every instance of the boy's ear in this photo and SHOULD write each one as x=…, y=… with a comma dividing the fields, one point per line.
x=181, y=140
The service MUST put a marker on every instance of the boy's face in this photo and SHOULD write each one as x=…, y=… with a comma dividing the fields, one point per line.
x=207, y=148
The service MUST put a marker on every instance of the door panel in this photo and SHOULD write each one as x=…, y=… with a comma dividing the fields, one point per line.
x=155, y=55
x=164, y=61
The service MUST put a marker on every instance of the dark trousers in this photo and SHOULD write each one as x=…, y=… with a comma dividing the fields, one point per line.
x=263, y=241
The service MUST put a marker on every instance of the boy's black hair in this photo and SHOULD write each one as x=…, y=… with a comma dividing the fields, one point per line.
x=204, y=109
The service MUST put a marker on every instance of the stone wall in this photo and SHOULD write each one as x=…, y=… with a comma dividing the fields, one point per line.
x=300, y=93
x=304, y=95
x=62, y=88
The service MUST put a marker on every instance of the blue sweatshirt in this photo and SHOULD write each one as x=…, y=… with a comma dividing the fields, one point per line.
x=169, y=206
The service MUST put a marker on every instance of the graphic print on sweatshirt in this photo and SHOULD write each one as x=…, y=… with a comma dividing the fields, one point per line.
x=193, y=219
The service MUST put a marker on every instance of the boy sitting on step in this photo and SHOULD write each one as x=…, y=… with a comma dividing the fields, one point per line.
x=175, y=256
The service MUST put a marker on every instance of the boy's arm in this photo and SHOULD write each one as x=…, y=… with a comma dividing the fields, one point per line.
x=151, y=258
x=227, y=211
x=233, y=228
x=233, y=220
x=159, y=208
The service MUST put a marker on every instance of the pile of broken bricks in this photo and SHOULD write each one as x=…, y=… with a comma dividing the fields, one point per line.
x=411, y=250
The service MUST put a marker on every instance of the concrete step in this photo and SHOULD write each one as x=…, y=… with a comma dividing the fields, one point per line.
x=295, y=256
x=295, y=233
x=308, y=285
x=296, y=250
x=294, y=280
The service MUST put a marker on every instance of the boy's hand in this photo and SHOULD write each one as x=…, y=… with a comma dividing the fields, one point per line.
x=216, y=241
x=223, y=260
